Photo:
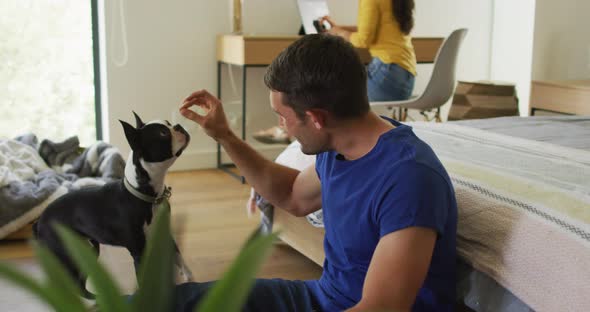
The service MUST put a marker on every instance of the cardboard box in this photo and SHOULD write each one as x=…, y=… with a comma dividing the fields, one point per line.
x=483, y=99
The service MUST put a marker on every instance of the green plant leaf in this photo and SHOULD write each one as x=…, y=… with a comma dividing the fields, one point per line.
x=32, y=286
x=156, y=274
x=64, y=290
x=109, y=296
x=230, y=293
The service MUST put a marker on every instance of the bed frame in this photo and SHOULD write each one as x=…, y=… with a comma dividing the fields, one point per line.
x=300, y=234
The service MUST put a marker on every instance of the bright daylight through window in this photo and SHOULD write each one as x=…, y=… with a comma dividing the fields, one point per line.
x=46, y=73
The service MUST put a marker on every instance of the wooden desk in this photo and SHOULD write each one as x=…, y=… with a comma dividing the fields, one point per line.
x=260, y=50
x=565, y=96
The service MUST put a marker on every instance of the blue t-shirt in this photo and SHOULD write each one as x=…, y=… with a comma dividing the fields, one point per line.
x=400, y=183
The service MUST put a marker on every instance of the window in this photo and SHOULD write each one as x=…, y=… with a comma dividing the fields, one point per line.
x=47, y=69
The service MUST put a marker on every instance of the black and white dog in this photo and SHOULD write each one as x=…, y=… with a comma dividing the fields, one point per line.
x=119, y=213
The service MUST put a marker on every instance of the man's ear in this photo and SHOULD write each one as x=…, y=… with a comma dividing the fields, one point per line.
x=131, y=134
x=317, y=117
x=138, y=122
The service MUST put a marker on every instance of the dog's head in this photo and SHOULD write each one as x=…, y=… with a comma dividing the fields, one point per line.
x=156, y=141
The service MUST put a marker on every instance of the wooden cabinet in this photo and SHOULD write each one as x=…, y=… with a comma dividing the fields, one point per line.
x=261, y=50
x=565, y=97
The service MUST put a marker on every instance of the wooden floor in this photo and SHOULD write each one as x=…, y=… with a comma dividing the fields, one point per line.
x=209, y=208
x=212, y=207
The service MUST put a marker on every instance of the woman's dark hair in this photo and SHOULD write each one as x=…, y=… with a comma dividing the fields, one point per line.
x=403, y=10
x=320, y=71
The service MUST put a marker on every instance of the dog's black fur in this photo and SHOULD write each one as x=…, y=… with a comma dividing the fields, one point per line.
x=110, y=214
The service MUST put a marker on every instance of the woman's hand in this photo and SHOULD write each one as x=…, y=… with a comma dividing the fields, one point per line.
x=330, y=21
x=335, y=29
x=214, y=121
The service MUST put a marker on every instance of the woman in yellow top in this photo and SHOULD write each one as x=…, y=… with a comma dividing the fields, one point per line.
x=384, y=27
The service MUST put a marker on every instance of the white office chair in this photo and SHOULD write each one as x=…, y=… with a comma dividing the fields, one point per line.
x=441, y=85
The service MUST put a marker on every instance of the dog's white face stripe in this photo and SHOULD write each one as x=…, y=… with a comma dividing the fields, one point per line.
x=157, y=170
x=178, y=138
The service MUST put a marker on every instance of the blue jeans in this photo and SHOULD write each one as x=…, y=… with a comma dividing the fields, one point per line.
x=266, y=295
x=388, y=82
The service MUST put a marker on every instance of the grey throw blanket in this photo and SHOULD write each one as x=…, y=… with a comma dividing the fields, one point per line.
x=33, y=176
x=101, y=160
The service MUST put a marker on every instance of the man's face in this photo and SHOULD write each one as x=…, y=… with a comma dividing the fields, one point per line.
x=312, y=140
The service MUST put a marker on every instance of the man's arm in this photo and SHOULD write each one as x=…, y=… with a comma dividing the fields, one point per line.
x=295, y=191
x=397, y=270
x=298, y=192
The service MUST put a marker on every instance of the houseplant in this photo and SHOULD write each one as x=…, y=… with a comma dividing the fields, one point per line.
x=155, y=290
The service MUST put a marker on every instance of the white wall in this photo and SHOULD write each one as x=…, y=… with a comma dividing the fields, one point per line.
x=512, y=46
x=171, y=49
x=561, y=47
x=171, y=52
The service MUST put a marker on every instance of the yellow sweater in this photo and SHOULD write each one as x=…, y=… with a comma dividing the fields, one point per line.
x=379, y=31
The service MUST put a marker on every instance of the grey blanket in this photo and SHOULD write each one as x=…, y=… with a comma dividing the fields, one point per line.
x=33, y=175
x=568, y=131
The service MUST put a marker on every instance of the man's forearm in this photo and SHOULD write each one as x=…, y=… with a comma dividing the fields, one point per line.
x=271, y=180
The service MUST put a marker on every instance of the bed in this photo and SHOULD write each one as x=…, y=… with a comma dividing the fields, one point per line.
x=523, y=193
x=33, y=174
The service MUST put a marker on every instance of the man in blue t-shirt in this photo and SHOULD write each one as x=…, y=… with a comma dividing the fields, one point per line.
x=389, y=209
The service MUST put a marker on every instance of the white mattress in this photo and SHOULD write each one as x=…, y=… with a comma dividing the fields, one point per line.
x=524, y=212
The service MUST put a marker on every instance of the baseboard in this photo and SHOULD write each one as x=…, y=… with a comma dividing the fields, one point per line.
x=207, y=159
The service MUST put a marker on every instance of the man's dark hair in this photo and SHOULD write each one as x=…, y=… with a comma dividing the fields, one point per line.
x=320, y=71
x=403, y=10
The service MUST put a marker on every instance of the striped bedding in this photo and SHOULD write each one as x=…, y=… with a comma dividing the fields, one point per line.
x=524, y=212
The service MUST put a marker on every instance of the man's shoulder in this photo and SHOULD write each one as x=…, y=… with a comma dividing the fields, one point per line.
x=408, y=152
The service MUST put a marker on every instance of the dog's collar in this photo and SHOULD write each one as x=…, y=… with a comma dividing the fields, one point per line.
x=150, y=199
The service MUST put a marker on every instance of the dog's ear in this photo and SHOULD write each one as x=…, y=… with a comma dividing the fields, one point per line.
x=131, y=134
x=138, y=122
